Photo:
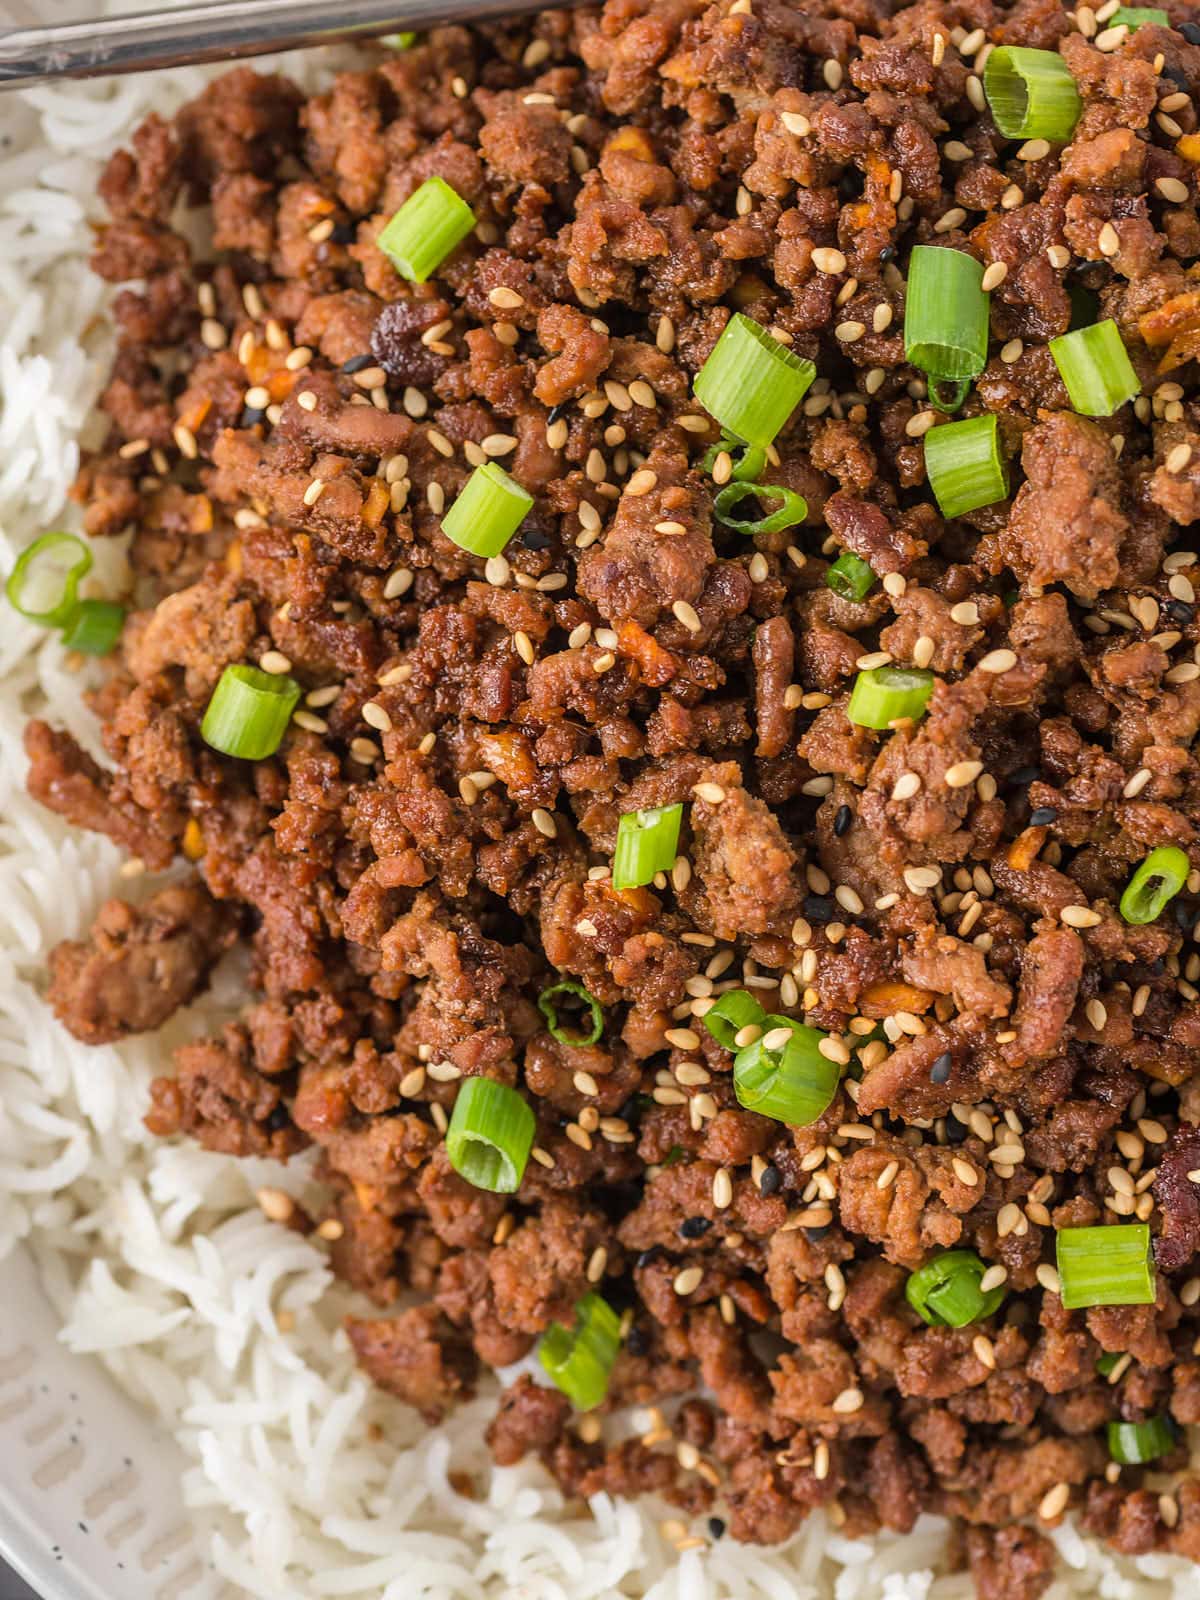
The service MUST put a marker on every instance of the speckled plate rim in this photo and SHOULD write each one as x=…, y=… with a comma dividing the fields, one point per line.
x=90, y=1499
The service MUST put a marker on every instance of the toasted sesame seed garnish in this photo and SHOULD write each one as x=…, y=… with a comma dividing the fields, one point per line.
x=310, y=723
x=848, y=1401
x=1080, y=917
x=965, y=1172
x=364, y=751
x=275, y=1204
x=1048, y=1277
x=687, y=614
x=185, y=441
x=962, y=773
x=711, y=793
x=906, y=785
x=687, y=1280
x=1054, y=1502
x=544, y=822
x=919, y=424
x=849, y=332
x=374, y=715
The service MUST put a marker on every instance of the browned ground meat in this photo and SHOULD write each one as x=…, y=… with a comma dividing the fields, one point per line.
x=431, y=847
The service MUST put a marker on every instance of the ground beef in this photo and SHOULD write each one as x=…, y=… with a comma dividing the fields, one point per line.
x=431, y=847
x=141, y=963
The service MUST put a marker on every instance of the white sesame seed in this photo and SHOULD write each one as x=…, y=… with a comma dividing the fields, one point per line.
x=687, y=614
x=920, y=424
x=544, y=822
x=1079, y=917
x=1054, y=1502
x=962, y=773
x=687, y=1280
x=848, y=1401
x=1172, y=189
x=995, y=275
x=374, y=715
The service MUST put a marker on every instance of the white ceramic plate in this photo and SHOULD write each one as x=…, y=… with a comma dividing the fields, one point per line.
x=90, y=1507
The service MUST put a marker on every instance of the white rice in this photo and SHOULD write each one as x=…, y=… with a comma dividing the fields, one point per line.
x=305, y=1481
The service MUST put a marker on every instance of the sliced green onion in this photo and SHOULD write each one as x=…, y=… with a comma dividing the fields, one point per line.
x=750, y=383
x=490, y=1135
x=399, y=41
x=1107, y=1363
x=95, y=627
x=748, y=460
x=733, y=1011
x=793, y=1083
x=1106, y=1266
x=884, y=695
x=945, y=313
x=646, y=842
x=1031, y=93
x=249, y=712
x=945, y=1292
x=489, y=510
x=428, y=226
x=1095, y=367
x=850, y=577
x=964, y=465
x=43, y=584
x=1135, y=1443
x=580, y=1360
x=793, y=507
x=1155, y=883
x=1135, y=17
x=565, y=1035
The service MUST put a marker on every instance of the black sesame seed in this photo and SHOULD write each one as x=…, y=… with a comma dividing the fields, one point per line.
x=771, y=1181
x=636, y=1342
x=716, y=1527
x=359, y=363
x=344, y=233
x=1180, y=611
x=558, y=412
x=815, y=1235
x=888, y=253
x=252, y=416
x=1024, y=775
x=956, y=1131
x=820, y=908
x=940, y=1071
x=842, y=822
x=649, y=1257
x=534, y=539
x=1190, y=31
x=1183, y=915
x=1041, y=816
x=694, y=1227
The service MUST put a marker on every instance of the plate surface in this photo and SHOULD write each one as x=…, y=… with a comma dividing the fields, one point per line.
x=89, y=1487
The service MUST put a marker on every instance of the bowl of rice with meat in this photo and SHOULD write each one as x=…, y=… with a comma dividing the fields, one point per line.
x=601, y=832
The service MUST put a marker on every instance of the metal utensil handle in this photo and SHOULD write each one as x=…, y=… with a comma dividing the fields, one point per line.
x=217, y=30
